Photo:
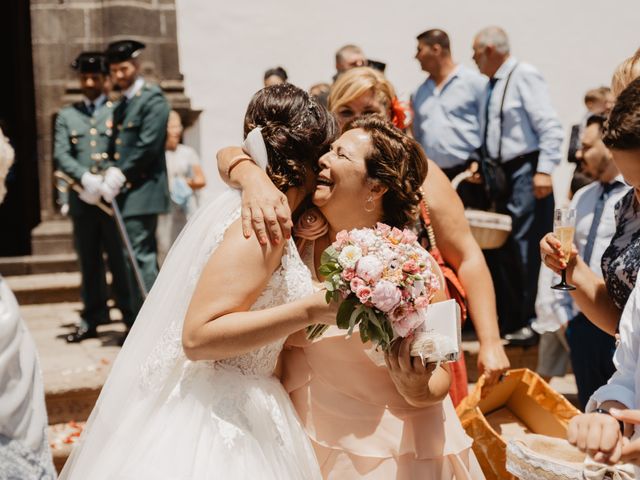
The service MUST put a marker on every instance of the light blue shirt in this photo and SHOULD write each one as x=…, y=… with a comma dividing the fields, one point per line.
x=530, y=122
x=446, y=119
x=555, y=308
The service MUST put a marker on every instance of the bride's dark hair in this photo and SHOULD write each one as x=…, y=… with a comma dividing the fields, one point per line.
x=296, y=129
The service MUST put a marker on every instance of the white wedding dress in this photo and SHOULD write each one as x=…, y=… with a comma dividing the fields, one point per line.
x=161, y=416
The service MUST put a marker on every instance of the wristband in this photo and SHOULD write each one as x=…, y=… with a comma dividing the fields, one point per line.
x=236, y=161
x=606, y=412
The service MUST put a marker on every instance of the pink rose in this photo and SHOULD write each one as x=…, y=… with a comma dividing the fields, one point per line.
x=408, y=236
x=421, y=302
x=342, y=238
x=369, y=268
x=411, y=267
x=363, y=294
x=406, y=321
x=356, y=283
x=348, y=274
x=396, y=236
x=383, y=228
x=385, y=296
x=311, y=225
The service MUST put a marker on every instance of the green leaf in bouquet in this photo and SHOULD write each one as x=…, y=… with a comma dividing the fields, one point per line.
x=355, y=318
x=328, y=296
x=327, y=270
x=330, y=254
x=344, y=313
x=364, y=332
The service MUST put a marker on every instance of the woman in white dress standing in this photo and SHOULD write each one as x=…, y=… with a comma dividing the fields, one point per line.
x=192, y=394
x=186, y=178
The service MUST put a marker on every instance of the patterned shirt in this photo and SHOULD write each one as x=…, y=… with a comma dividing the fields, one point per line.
x=621, y=260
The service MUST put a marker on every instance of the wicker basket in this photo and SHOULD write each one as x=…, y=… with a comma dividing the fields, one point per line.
x=490, y=229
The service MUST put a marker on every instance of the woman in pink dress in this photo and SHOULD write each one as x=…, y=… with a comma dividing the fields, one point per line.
x=394, y=421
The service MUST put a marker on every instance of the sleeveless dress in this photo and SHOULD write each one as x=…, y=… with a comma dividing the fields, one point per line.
x=360, y=426
x=226, y=419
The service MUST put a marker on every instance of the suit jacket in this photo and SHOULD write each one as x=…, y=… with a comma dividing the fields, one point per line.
x=81, y=144
x=138, y=143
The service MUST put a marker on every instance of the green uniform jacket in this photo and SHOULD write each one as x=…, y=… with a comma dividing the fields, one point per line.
x=81, y=144
x=138, y=150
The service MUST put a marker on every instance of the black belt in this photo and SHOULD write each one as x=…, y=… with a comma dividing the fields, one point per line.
x=511, y=166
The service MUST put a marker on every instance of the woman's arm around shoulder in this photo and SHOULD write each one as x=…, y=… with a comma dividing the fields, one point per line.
x=218, y=323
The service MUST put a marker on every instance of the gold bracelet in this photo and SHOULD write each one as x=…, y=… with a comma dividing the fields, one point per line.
x=236, y=161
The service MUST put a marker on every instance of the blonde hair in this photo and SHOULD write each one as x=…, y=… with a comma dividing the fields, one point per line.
x=626, y=72
x=356, y=82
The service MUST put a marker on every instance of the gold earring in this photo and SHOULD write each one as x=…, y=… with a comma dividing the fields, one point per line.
x=369, y=205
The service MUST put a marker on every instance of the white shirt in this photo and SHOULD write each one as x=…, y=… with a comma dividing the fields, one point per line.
x=530, y=122
x=624, y=385
x=134, y=88
x=555, y=308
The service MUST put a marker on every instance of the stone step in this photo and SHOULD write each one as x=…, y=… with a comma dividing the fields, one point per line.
x=62, y=436
x=43, y=288
x=34, y=264
x=73, y=374
x=52, y=237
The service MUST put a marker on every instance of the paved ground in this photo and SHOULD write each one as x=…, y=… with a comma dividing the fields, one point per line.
x=66, y=365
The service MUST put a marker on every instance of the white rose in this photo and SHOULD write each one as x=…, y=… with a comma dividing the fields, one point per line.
x=349, y=256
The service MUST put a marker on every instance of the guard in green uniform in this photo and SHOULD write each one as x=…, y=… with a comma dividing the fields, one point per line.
x=82, y=138
x=138, y=179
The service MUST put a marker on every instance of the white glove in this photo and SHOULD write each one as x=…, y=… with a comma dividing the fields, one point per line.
x=91, y=183
x=114, y=178
x=90, y=198
x=108, y=192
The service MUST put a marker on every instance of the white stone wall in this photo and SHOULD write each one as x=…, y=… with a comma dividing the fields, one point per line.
x=226, y=46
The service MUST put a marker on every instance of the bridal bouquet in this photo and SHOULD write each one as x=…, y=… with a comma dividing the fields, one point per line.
x=386, y=281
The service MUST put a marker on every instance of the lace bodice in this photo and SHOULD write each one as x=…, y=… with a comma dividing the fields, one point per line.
x=289, y=282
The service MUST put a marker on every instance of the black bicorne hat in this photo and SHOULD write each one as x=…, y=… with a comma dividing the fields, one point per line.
x=91, y=62
x=123, y=50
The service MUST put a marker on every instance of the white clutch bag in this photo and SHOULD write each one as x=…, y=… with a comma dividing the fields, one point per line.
x=437, y=340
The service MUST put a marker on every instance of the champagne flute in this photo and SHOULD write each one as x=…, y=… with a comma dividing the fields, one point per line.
x=564, y=227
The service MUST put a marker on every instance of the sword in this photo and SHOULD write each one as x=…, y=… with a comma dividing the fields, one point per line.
x=112, y=211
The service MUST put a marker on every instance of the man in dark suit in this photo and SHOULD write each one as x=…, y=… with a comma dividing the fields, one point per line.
x=137, y=178
x=82, y=136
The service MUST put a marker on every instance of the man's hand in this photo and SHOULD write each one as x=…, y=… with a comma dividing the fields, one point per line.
x=265, y=211
x=492, y=361
x=91, y=184
x=542, y=185
x=597, y=434
x=90, y=198
x=114, y=178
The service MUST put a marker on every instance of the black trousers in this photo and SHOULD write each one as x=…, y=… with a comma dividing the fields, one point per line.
x=95, y=233
x=515, y=266
x=591, y=351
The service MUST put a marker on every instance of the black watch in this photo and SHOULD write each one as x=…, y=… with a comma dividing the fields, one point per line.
x=606, y=412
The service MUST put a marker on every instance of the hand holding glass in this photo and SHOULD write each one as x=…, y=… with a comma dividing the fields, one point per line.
x=564, y=227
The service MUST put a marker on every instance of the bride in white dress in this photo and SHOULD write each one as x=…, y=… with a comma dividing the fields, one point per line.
x=192, y=394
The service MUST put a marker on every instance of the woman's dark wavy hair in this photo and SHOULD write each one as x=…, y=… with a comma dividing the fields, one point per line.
x=398, y=162
x=622, y=130
x=296, y=131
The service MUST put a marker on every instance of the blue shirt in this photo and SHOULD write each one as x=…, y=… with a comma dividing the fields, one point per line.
x=530, y=122
x=446, y=119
